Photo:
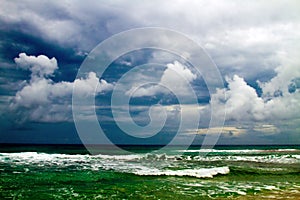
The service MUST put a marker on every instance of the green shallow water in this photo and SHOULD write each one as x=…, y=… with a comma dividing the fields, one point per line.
x=73, y=174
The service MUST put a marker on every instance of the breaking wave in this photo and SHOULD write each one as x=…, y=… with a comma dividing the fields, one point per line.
x=152, y=164
x=198, y=173
x=135, y=164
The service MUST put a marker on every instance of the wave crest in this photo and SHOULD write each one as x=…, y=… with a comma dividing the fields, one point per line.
x=198, y=173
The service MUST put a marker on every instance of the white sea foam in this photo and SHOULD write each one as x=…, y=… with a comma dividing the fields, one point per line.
x=34, y=157
x=270, y=187
x=240, y=188
x=287, y=150
x=139, y=164
x=272, y=158
x=120, y=157
x=296, y=156
x=143, y=164
x=198, y=173
x=219, y=151
x=235, y=150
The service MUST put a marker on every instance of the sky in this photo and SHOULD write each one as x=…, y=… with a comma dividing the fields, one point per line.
x=255, y=46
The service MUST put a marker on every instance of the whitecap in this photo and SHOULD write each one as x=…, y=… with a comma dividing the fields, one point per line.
x=198, y=173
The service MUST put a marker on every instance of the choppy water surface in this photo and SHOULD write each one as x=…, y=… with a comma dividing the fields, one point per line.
x=231, y=172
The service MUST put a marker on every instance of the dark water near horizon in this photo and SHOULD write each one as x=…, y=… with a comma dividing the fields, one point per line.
x=144, y=172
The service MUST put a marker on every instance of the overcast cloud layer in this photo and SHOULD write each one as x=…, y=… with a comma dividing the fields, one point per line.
x=255, y=44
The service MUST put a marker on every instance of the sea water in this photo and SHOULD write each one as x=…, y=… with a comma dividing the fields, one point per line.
x=225, y=172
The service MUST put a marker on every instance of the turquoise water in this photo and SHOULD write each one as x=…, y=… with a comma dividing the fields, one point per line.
x=70, y=172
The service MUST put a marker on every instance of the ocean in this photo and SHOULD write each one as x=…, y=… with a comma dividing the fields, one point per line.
x=225, y=172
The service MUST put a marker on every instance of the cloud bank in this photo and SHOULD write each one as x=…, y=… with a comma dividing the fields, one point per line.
x=255, y=44
x=277, y=101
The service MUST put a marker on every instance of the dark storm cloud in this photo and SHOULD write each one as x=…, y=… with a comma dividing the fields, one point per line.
x=78, y=25
x=14, y=42
x=257, y=41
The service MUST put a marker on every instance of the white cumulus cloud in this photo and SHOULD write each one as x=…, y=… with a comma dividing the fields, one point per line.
x=176, y=78
x=241, y=101
x=42, y=99
x=40, y=66
x=276, y=102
